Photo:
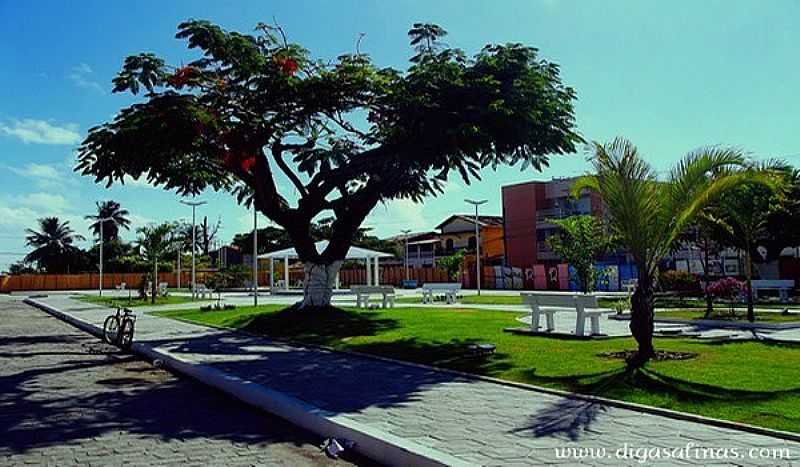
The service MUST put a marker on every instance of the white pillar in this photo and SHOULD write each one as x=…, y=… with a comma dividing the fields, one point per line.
x=271, y=276
x=377, y=272
x=369, y=272
x=286, y=273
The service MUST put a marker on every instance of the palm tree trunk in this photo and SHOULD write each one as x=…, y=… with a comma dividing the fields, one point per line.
x=642, y=315
x=155, y=283
x=706, y=277
x=748, y=271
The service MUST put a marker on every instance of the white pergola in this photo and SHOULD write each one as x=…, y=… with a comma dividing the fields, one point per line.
x=370, y=257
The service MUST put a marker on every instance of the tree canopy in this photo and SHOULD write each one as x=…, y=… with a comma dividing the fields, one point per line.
x=346, y=133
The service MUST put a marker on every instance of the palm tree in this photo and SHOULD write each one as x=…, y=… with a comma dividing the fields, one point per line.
x=155, y=242
x=649, y=215
x=113, y=211
x=53, y=244
x=744, y=216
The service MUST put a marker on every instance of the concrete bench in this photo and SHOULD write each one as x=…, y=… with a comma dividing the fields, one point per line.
x=448, y=289
x=363, y=293
x=585, y=306
x=200, y=291
x=782, y=286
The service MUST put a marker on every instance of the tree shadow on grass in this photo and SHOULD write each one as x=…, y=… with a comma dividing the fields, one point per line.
x=571, y=417
x=323, y=327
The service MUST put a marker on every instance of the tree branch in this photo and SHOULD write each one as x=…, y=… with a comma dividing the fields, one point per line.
x=277, y=154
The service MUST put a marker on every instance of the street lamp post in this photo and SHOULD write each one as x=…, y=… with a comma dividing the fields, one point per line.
x=477, y=241
x=405, y=256
x=194, y=205
x=102, y=220
x=255, y=255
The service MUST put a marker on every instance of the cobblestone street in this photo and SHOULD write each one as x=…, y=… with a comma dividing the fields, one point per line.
x=68, y=399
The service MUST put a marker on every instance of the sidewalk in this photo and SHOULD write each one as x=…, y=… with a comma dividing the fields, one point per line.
x=418, y=412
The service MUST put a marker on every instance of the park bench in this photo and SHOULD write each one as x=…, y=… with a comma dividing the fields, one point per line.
x=585, y=306
x=162, y=289
x=448, y=289
x=200, y=290
x=782, y=286
x=121, y=286
x=363, y=292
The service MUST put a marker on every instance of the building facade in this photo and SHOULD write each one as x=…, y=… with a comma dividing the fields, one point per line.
x=527, y=211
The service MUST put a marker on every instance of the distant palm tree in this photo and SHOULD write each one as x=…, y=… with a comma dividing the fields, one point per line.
x=649, y=215
x=155, y=242
x=53, y=245
x=109, y=210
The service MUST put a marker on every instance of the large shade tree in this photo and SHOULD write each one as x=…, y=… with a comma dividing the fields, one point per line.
x=256, y=113
x=649, y=215
x=54, y=249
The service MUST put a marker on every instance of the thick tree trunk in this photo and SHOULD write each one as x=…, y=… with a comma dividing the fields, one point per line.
x=318, y=284
x=642, y=309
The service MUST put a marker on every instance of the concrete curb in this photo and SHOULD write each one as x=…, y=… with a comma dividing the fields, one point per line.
x=375, y=444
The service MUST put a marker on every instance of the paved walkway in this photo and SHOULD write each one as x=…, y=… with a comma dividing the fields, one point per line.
x=68, y=399
x=476, y=421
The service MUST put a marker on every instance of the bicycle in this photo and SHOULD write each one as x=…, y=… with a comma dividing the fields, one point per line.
x=118, y=328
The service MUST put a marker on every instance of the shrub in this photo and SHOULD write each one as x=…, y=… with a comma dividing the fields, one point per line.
x=728, y=288
x=679, y=281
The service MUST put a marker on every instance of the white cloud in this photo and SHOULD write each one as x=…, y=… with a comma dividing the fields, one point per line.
x=81, y=76
x=48, y=202
x=41, y=132
x=397, y=215
x=33, y=170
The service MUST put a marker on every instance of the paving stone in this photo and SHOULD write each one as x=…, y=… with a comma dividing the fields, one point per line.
x=470, y=419
x=75, y=407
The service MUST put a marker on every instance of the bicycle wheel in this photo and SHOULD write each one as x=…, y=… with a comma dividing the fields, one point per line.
x=111, y=330
x=126, y=334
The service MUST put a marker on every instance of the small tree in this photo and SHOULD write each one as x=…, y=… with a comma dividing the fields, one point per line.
x=347, y=134
x=155, y=242
x=649, y=215
x=579, y=241
x=452, y=264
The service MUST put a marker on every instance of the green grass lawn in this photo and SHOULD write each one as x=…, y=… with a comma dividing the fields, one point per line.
x=134, y=301
x=750, y=382
x=741, y=315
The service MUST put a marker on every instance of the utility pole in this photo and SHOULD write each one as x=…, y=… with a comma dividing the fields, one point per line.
x=405, y=256
x=255, y=255
x=194, y=205
x=477, y=241
x=102, y=220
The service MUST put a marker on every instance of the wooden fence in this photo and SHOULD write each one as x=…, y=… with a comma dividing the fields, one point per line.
x=389, y=275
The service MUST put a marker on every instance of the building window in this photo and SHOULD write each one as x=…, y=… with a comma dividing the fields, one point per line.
x=448, y=245
x=471, y=243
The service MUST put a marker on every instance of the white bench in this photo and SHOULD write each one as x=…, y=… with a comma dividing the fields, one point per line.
x=549, y=303
x=782, y=286
x=200, y=291
x=121, y=286
x=363, y=293
x=448, y=289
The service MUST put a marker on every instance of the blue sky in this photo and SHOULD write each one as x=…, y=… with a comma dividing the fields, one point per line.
x=671, y=76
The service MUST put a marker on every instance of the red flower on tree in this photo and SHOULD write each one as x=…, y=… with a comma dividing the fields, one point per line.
x=287, y=65
x=181, y=77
